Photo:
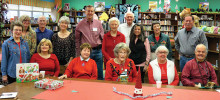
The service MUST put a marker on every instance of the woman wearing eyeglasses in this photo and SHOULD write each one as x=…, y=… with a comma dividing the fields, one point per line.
x=157, y=38
x=14, y=50
x=28, y=34
x=162, y=69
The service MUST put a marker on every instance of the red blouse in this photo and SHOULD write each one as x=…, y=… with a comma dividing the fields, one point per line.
x=82, y=69
x=109, y=44
x=50, y=65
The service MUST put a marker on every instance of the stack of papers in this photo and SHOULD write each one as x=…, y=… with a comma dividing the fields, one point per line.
x=8, y=95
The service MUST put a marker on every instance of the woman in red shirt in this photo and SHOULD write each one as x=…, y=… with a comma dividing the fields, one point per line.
x=112, y=38
x=121, y=68
x=47, y=61
x=162, y=69
x=83, y=66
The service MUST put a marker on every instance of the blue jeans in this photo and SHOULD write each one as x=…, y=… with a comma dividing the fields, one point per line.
x=183, y=61
x=97, y=56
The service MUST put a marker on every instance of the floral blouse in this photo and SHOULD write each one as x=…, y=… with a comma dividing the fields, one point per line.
x=30, y=38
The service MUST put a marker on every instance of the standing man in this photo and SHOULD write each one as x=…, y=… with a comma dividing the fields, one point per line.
x=42, y=31
x=198, y=71
x=125, y=28
x=91, y=31
x=187, y=39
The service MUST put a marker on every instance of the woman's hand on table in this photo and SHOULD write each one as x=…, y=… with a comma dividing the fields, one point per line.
x=62, y=77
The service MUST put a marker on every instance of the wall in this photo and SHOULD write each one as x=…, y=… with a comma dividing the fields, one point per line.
x=79, y=4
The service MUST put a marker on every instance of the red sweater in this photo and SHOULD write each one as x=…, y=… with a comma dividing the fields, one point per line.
x=82, y=69
x=163, y=68
x=50, y=65
x=109, y=44
x=112, y=68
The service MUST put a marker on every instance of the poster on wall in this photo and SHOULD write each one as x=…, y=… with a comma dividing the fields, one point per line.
x=122, y=9
x=204, y=6
x=152, y=5
x=99, y=6
x=166, y=4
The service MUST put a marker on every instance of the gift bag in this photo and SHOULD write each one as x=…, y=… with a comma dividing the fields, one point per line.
x=27, y=72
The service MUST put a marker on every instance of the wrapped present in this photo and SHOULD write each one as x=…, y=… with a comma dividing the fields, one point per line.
x=27, y=72
x=49, y=84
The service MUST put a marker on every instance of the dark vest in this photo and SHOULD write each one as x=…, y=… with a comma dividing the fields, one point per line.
x=138, y=51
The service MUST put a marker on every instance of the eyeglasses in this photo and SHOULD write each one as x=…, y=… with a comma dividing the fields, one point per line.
x=17, y=30
x=26, y=21
x=162, y=52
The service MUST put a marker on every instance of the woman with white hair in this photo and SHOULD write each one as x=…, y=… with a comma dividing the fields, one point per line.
x=121, y=68
x=110, y=39
x=64, y=44
x=28, y=34
x=162, y=69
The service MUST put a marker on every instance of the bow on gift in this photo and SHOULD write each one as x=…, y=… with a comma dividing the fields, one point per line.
x=47, y=82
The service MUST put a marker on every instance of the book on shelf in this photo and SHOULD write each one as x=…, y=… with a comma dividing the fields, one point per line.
x=71, y=20
x=32, y=20
x=55, y=28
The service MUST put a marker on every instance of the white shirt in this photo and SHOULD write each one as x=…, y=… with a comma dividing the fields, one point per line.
x=125, y=29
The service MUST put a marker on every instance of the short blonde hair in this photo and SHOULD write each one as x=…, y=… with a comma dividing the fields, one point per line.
x=64, y=19
x=160, y=48
x=44, y=40
x=120, y=46
x=113, y=19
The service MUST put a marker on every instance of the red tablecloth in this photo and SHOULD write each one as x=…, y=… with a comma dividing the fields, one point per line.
x=104, y=91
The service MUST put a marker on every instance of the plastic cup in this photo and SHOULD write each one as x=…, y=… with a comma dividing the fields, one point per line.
x=42, y=73
x=159, y=84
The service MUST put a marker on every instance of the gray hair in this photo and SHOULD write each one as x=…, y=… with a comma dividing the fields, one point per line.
x=113, y=19
x=201, y=45
x=160, y=48
x=64, y=19
x=120, y=46
x=40, y=17
x=129, y=13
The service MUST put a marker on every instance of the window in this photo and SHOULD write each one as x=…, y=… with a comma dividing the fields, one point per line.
x=18, y=10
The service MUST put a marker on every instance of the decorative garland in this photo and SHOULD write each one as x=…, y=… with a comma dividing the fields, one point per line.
x=144, y=97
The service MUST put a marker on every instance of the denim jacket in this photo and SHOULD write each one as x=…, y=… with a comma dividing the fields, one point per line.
x=11, y=56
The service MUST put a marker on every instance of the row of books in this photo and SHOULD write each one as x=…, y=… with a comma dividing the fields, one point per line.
x=163, y=28
x=207, y=23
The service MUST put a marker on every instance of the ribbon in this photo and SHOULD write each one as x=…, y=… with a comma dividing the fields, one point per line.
x=144, y=97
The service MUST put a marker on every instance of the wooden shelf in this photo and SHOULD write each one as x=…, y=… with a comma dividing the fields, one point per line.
x=213, y=51
x=211, y=35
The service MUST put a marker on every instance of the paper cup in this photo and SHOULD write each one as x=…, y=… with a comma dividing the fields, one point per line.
x=159, y=84
x=42, y=73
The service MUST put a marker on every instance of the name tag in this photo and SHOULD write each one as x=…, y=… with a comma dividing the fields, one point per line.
x=95, y=29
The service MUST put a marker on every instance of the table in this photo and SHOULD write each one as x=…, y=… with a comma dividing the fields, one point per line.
x=27, y=90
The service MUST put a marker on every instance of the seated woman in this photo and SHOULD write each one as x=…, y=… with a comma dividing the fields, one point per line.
x=121, y=68
x=83, y=66
x=47, y=61
x=162, y=69
x=14, y=50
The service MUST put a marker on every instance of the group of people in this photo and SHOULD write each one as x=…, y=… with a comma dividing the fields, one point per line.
x=125, y=48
